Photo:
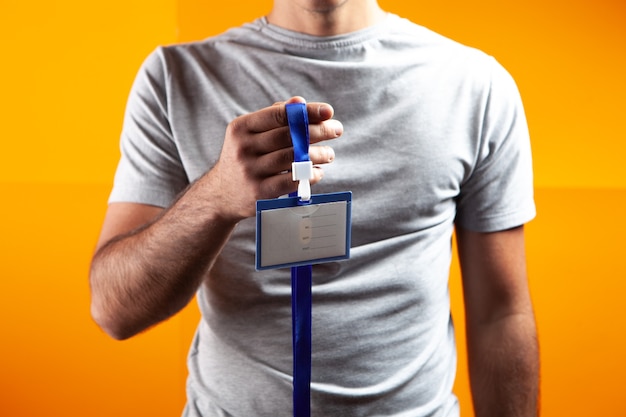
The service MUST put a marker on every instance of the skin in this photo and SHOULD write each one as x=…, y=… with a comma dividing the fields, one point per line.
x=140, y=276
x=503, y=353
x=325, y=17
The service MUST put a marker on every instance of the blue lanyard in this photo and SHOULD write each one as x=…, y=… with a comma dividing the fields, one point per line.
x=301, y=321
x=301, y=281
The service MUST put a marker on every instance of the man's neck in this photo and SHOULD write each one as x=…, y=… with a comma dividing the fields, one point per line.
x=325, y=17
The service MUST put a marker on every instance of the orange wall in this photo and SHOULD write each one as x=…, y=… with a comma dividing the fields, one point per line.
x=65, y=73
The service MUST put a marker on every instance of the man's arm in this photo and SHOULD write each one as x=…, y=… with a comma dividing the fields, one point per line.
x=502, y=346
x=149, y=262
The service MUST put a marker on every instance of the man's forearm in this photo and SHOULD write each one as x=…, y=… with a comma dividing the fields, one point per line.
x=504, y=367
x=146, y=276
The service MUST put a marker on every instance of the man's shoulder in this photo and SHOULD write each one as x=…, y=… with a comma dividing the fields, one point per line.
x=414, y=35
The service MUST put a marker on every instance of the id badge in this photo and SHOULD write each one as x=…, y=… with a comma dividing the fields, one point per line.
x=290, y=234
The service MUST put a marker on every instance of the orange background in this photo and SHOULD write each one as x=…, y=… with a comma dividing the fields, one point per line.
x=66, y=69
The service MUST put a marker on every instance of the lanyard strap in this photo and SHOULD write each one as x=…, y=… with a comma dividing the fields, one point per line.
x=301, y=276
x=301, y=321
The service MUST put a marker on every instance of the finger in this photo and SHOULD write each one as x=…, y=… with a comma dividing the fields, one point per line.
x=328, y=129
x=275, y=116
x=271, y=141
x=273, y=163
x=281, y=160
x=321, y=154
x=280, y=138
x=316, y=111
x=281, y=184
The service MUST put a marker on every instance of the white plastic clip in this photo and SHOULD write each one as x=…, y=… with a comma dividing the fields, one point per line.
x=303, y=172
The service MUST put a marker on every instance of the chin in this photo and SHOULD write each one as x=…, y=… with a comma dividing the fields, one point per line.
x=323, y=6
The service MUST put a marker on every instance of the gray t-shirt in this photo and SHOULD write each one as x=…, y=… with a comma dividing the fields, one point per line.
x=435, y=135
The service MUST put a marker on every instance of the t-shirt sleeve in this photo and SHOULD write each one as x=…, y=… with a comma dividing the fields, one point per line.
x=498, y=194
x=150, y=170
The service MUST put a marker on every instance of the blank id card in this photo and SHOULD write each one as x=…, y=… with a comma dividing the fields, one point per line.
x=291, y=234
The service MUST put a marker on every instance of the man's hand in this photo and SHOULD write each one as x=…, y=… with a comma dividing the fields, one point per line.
x=257, y=156
x=149, y=263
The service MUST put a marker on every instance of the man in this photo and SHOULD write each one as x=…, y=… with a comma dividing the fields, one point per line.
x=435, y=139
